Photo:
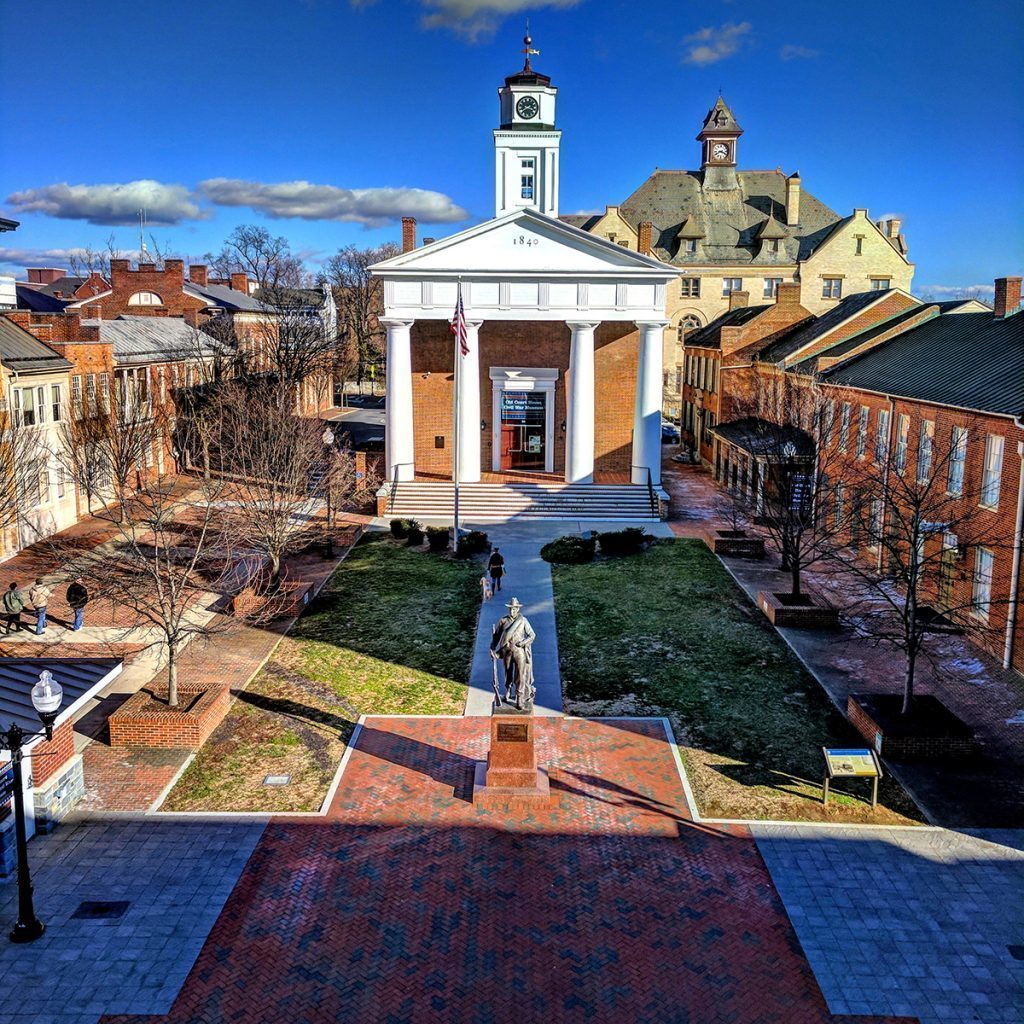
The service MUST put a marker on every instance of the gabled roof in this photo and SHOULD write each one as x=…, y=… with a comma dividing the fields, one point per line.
x=966, y=360
x=8, y=225
x=223, y=297
x=771, y=228
x=23, y=352
x=816, y=328
x=729, y=219
x=765, y=439
x=148, y=339
x=37, y=301
x=576, y=252
x=584, y=221
x=66, y=285
x=291, y=298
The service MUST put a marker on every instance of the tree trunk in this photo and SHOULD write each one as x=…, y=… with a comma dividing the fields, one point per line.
x=794, y=575
x=206, y=458
x=172, y=676
x=275, y=569
x=908, y=682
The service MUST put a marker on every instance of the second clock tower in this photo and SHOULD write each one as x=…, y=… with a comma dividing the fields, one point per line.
x=718, y=138
x=526, y=143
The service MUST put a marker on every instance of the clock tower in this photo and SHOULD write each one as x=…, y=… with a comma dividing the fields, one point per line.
x=526, y=143
x=718, y=138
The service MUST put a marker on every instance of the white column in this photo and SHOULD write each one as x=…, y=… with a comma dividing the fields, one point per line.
x=469, y=407
x=647, y=410
x=579, y=445
x=398, y=440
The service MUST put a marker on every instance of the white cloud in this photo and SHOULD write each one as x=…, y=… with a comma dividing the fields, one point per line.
x=475, y=19
x=111, y=204
x=792, y=51
x=710, y=45
x=13, y=259
x=302, y=199
x=958, y=291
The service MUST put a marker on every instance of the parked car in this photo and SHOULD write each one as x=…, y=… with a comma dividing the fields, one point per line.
x=669, y=433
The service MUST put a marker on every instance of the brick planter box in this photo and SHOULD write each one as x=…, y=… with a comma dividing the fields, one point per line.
x=931, y=730
x=145, y=720
x=783, y=612
x=287, y=604
x=734, y=544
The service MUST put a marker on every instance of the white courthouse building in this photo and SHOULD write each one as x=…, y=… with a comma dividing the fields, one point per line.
x=560, y=393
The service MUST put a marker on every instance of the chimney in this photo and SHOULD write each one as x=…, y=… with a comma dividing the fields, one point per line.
x=44, y=275
x=892, y=228
x=739, y=300
x=119, y=267
x=240, y=283
x=793, y=199
x=428, y=241
x=408, y=234
x=1007, y=297
x=643, y=238
x=176, y=267
x=788, y=294
x=197, y=274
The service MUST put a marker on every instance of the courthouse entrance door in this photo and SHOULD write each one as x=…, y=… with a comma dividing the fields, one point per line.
x=523, y=430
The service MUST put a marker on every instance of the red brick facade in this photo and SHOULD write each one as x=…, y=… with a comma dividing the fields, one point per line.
x=50, y=756
x=166, y=283
x=527, y=345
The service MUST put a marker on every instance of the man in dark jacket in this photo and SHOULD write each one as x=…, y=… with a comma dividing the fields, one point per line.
x=78, y=598
x=14, y=604
x=496, y=567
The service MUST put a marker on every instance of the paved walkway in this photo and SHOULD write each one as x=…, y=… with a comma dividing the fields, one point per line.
x=982, y=793
x=529, y=579
x=174, y=877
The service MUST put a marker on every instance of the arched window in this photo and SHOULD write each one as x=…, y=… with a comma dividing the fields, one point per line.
x=145, y=299
x=687, y=323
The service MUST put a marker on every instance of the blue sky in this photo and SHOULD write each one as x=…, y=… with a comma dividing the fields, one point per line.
x=908, y=108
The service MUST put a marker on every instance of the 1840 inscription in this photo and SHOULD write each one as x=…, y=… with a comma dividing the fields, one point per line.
x=512, y=732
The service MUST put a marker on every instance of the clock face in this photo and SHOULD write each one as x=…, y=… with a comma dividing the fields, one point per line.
x=527, y=108
x=721, y=151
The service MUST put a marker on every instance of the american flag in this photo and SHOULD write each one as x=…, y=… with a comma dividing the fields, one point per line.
x=459, y=325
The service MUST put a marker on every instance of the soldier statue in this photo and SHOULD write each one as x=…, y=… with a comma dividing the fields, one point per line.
x=512, y=644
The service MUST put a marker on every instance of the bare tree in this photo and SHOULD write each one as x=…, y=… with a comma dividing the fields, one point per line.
x=83, y=262
x=252, y=250
x=922, y=548
x=360, y=299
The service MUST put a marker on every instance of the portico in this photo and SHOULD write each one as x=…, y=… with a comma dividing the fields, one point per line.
x=564, y=332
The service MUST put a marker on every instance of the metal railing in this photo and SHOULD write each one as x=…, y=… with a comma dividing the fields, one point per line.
x=394, y=486
x=652, y=498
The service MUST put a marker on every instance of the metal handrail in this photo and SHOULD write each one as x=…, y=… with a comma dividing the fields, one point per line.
x=394, y=485
x=651, y=496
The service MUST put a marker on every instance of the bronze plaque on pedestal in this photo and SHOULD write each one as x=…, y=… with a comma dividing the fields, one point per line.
x=512, y=732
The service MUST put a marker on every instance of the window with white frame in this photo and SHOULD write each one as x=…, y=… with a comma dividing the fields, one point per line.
x=882, y=436
x=689, y=287
x=957, y=460
x=771, y=287
x=862, y=432
x=992, y=471
x=527, y=168
x=880, y=284
x=902, y=442
x=76, y=395
x=925, y=449
x=691, y=245
x=90, y=393
x=730, y=285
x=831, y=287
x=105, y=392
x=839, y=514
x=145, y=299
x=55, y=403
x=25, y=413
x=875, y=525
x=844, y=426
x=981, y=592
x=62, y=485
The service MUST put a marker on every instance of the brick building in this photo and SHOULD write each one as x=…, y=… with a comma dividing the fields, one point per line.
x=907, y=386
x=729, y=230
x=560, y=376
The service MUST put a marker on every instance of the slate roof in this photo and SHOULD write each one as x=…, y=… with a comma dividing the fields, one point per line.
x=810, y=330
x=78, y=677
x=294, y=298
x=226, y=298
x=764, y=438
x=584, y=221
x=36, y=300
x=25, y=353
x=710, y=335
x=66, y=285
x=730, y=220
x=145, y=339
x=967, y=360
x=8, y=225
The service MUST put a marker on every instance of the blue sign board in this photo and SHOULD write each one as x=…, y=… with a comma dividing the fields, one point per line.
x=6, y=784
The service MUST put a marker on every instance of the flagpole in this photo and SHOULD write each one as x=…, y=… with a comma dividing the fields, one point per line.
x=455, y=411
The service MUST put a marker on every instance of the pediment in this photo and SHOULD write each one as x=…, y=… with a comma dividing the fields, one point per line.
x=524, y=243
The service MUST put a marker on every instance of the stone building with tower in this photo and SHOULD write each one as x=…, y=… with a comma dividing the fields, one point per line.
x=732, y=232
x=559, y=406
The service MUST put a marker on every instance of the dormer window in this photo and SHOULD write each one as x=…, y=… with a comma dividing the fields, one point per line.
x=145, y=299
x=775, y=246
x=691, y=245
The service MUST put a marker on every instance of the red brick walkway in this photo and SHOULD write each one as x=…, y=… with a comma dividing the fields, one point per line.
x=409, y=905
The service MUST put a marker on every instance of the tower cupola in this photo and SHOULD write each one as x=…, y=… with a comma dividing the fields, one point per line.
x=718, y=137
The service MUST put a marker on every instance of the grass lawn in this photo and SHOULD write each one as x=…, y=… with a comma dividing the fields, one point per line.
x=669, y=633
x=391, y=633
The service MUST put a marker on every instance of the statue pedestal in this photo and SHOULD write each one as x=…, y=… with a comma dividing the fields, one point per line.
x=510, y=779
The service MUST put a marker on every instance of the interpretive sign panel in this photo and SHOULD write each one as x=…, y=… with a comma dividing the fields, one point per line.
x=851, y=763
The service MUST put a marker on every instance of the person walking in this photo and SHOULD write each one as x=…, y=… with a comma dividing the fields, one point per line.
x=14, y=605
x=78, y=598
x=39, y=596
x=496, y=567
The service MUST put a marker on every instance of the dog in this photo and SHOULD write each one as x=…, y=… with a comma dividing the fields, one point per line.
x=485, y=588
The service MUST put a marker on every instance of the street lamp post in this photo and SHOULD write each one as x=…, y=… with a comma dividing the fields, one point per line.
x=46, y=699
x=328, y=439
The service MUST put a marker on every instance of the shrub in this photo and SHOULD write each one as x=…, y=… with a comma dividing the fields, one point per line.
x=399, y=528
x=570, y=550
x=473, y=543
x=437, y=538
x=413, y=534
x=623, y=542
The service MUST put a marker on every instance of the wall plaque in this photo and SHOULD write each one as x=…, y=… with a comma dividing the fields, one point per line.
x=512, y=732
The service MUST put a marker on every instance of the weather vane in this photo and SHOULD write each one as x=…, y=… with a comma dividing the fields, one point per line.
x=528, y=47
